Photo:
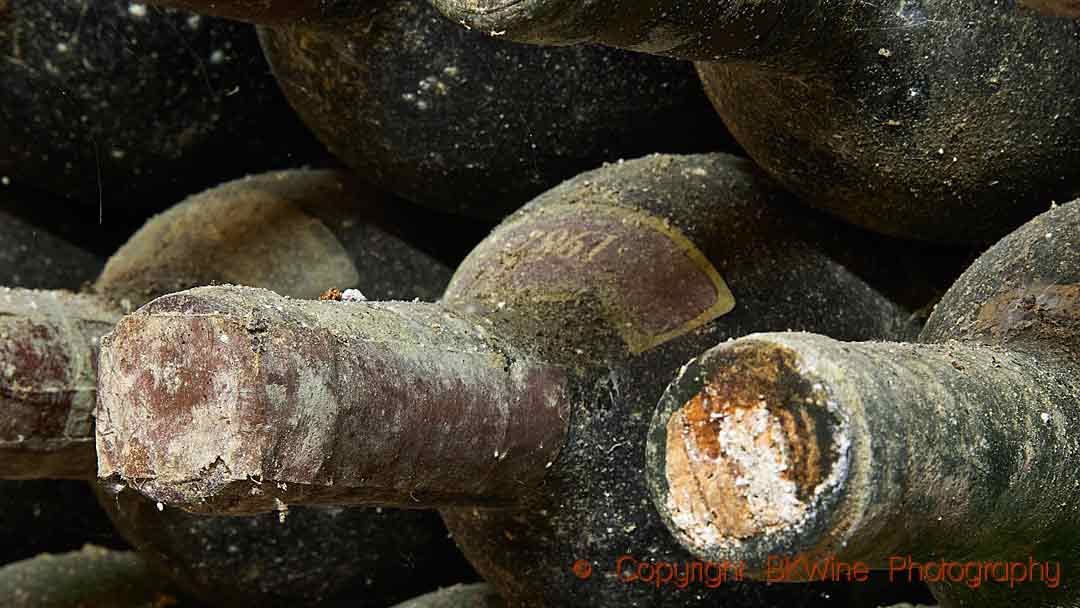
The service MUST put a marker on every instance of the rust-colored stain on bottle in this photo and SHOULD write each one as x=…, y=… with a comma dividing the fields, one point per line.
x=748, y=452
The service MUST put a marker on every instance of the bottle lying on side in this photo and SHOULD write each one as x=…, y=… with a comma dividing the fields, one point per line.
x=54, y=515
x=519, y=403
x=93, y=577
x=951, y=460
x=298, y=232
x=949, y=120
x=457, y=120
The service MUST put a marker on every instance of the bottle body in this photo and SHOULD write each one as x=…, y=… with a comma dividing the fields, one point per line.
x=458, y=120
x=91, y=576
x=945, y=121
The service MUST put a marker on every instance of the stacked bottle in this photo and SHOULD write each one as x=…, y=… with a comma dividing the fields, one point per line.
x=951, y=459
x=299, y=232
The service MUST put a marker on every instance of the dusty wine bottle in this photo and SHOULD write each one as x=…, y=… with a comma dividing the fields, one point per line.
x=300, y=232
x=940, y=119
x=456, y=120
x=295, y=232
x=952, y=459
x=93, y=577
x=452, y=119
x=118, y=106
x=39, y=516
x=35, y=423
x=519, y=403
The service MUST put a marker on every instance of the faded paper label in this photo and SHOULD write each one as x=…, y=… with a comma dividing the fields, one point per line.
x=652, y=283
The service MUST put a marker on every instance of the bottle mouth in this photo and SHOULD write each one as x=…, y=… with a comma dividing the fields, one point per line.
x=747, y=454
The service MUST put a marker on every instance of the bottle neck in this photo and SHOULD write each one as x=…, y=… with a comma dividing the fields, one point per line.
x=257, y=401
x=48, y=373
x=870, y=451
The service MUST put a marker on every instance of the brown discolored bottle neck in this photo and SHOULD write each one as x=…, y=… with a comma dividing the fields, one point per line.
x=298, y=232
x=48, y=373
x=237, y=400
x=48, y=343
x=819, y=447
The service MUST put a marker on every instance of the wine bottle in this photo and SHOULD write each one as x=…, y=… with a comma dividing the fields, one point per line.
x=941, y=119
x=93, y=577
x=121, y=108
x=36, y=407
x=299, y=232
x=456, y=120
x=518, y=404
x=459, y=121
x=952, y=460
x=295, y=232
x=41, y=516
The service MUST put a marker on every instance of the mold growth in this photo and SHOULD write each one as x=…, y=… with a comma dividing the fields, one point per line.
x=750, y=452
